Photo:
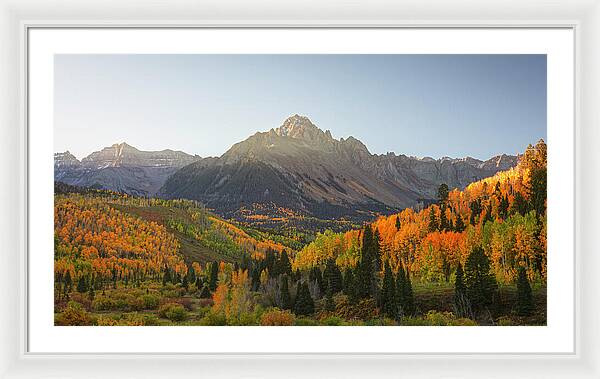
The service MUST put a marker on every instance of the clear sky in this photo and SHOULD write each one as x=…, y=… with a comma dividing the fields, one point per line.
x=421, y=105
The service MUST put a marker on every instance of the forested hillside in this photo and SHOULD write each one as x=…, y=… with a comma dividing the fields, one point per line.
x=476, y=256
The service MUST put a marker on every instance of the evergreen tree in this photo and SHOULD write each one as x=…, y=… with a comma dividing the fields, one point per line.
x=480, y=283
x=214, y=276
x=520, y=205
x=365, y=269
x=503, y=208
x=459, y=226
x=81, y=285
x=285, y=267
x=433, y=224
x=389, y=306
x=475, y=211
x=332, y=276
x=304, y=303
x=286, y=302
x=524, y=296
x=443, y=219
x=401, y=291
x=537, y=190
x=398, y=225
x=349, y=284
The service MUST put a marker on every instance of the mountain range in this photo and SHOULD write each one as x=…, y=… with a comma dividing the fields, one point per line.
x=296, y=166
x=121, y=168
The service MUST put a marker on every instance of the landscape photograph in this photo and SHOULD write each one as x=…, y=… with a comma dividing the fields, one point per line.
x=300, y=190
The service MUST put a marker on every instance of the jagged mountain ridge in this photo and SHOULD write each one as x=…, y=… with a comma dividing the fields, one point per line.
x=300, y=167
x=121, y=167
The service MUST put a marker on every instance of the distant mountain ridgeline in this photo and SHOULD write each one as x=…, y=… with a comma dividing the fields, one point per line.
x=121, y=168
x=296, y=170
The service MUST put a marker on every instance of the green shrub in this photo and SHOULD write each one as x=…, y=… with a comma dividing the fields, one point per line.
x=103, y=303
x=172, y=311
x=150, y=301
x=213, y=319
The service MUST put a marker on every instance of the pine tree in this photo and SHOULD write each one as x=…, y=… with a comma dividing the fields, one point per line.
x=443, y=219
x=81, y=285
x=349, y=285
x=462, y=307
x=475, y=211
x=538, y=190
x=332, y=276
x=525, y=305
x=304, y=303
x=520, y=205
x=398, y=225
x=285, y=267
x=480, y=283
x=433, y=225
x=365, y=269
x=503, y=208
x=286, y=302
x=389, y=306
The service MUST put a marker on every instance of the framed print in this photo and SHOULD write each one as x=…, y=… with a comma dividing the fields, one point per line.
x=281, y=193
x=291, y=225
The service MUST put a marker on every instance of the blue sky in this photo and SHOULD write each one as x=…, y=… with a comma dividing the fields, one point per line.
x=421, y=105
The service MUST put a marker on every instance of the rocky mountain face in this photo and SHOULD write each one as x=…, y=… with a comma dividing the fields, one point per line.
x=122, y=168
x=300, y=167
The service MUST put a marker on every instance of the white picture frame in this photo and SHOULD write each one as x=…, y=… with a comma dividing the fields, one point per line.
x=16, y=17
